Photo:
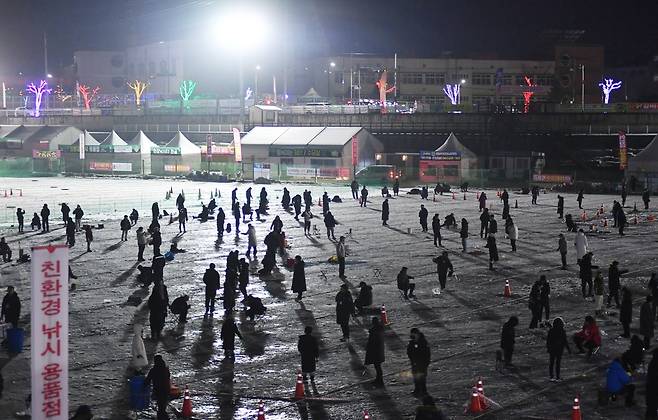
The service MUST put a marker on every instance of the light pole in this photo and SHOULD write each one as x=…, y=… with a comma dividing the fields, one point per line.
x=582, y=87
x=332, y=65
x=256, y=84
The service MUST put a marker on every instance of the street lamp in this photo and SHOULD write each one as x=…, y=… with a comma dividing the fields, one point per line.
x=233, y=33
x=256, y=84
x=332, y=65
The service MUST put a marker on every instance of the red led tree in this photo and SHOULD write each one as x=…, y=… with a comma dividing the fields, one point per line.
x=527, y=94
x=88, y=94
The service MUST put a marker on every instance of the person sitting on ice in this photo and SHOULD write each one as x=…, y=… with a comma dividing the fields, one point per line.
x=212, y=205
x=365, y=297
x=450, y=221
x=5, y=251
x=588, y=337
x=203, y=216
x=174, y=249
x=571, y=226
x=145, y=275
x=404, y=284
x=180, y=306
x=254, y=306
x=36, y=222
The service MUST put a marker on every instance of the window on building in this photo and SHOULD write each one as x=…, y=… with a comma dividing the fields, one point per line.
x=130, y=69
x=480, y=100
x=116, y=61
x=497, y=163
x=481, y=79
x=457, y=77
x=435, y=78
x=411, y=78
x=451, y=170
x=163, y=67
x=287, y=161
x=324, y=162
x=544, y=80
x=432, y=99
x=506, y=80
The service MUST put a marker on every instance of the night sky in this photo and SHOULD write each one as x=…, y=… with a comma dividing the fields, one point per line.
x=483, y=28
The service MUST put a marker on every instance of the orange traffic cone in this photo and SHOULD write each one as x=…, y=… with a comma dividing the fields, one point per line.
x=475, y=407
x=383, y=316
x=261, y=411
x=480, y=388
x=366, y=416
x=299, y=388
x=508, y=289
x=605, y=223
x=464, y=196
x=187, y=403
x=583, y=216
x=453, y=196
x=575, y=412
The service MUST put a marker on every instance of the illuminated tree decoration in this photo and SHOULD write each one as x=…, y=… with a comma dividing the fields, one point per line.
x=453, y=92
x=186, y=89
x=87, y=94
x=38, y=92
x=608, y=85
x=62, y=96
x=527, y=94
x=248, y=93
x=138, y=88
x=382, y=85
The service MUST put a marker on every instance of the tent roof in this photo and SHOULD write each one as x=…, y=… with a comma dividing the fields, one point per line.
x=23, y=132
x=268, y=108
x=6, y=129
x=649, y=153
x=453, y=145
x=312, y=93
x=114, y=140
x=145, y=143
x=263, y=135
x=90, y=140
x=297, y=136
x=335, y=136
x=186, y=146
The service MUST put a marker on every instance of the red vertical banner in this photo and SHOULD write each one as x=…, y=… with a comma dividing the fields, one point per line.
x=50, y=332
x=623, y=155
x=355, y=151
x=237, y=146
x=209, y=145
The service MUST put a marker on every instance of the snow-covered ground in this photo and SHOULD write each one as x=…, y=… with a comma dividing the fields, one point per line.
x=462, y=324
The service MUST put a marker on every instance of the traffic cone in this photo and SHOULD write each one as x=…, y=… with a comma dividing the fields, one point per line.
x=366, y=416
x=21, y=192
x=299, y=388
x=475, y=407
x=575, y=412
x=171, y=190
x=261, y=411
x=508, y=290
x=516, y=204
x=187, y=403
x=480, y=388
x=383, y=316
x=453, y=196
x=464, y=196
x=11, y=191
x=319, y=203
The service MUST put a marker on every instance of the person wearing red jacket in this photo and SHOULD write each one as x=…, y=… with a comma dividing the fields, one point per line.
x=588, y=338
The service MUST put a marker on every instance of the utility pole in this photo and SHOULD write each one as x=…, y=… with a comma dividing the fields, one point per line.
x=45, y=54
x=582, y=87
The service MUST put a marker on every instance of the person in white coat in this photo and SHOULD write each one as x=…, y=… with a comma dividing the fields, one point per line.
x=251, y=236
x=512, y=233
x=139, y=359
x=581, y=244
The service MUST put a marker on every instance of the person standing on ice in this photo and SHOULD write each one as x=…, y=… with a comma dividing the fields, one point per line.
x=251, y=239
x=493, y=250
x=139, y=360
x=579, y=199
x=444, y=268
x=508, y=338
x=308, y=348
x=463, y=234
x=585, y=273
x=396, y=187
x=125, y=227
x=155, y=211
x=325, y=202
x=297, y=205
x=307, y=216
x=375, y=350
x=344, y=310
x=78, y=213
x=419, y=355
x=436, y=229
x=134, y=217
x=227, y=335
x=364, y=197
x=158, y=303
x=298, y=278
x=534, y=193
x=156, y=240
x=89, y=236
x=354, y=186
x=422, y=216
x=385, y=212
x=645, y=198
x=556, y=342
x=341, y=253
x=236, y=215
x=581, y=245
x=221, y=217
x=234, y=196
x=211, y=280
x=483, y=200
x=65, y=213
x=484, y=223
x=180, y=201
x=182, y=218
x=512, y=232
x=560, y=206
x=285, y=199
x=70, y=232
x=20, y=217
x=45, y=214
x=161, y=378
x=330, y=224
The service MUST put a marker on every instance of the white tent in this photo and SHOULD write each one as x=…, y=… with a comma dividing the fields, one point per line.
x=113, y=139
x=189, y=152
x=644, y=165
x=89, y=140
x=145, y=145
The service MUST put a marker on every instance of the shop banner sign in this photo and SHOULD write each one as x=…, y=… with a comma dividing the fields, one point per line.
x=623, y=152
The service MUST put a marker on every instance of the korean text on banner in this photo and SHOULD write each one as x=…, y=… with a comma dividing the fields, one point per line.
x=355, y=151
x=209, y=145
x=623, y=152
x=50, y=331
x=237, y=145
x=81, y=145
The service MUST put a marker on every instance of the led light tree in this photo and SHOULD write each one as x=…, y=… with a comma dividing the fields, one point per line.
x=186, y=89
x=453, y=92
x=527, y=94
x=88, y=94
x=62, y=96
x=38, y=92
x=384, y=89
x=607, y=86
x=138, y=88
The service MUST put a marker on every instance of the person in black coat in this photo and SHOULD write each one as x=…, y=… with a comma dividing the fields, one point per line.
x=652, y=387
x=297, y=204
x=534, y=304
x=419, y=355
x=308, y=348
x=484, y=223
x=11, y=307
x=298, y=278
x=364, y=197
x=632, y=358
x=65, y=213
x=155, y=211
x=125, y=227
x=444, y=268
x=544, y=297
x=180, y=306
x=624, y=194
x=493, y=250
x=285, y=199
x=158, y=303
x=364, y=298
x=613, y=282
x=211, y=280
x=221, y=217
x=5, y=251
x=626, y=311
x=586, y=268
x=647, y=321
x=344, y=309
x=482, y=200
x=20, y=216
x=621, y=222
x=70, y=232
x=385, y=212
x=228, y=332
x=645, y=198
x=571, y=225
x=436, y=229
x=493, y=224
x=556, y=342
x=463, y=234
x=134, y=216
x=243, y=278
x=325, y=202
x=330, y=224
x=507, y=339
x=560, y=206
x=422, y=216
x=404, y=284
x=156, y=240
x=375, y=349
x=161, y=378
x=236, y=214
x=45, y=214
x=579, y=199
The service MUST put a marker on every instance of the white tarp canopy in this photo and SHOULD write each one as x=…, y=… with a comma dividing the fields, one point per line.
x=452, y=144
x=113, y=139
x=145, y=144
x=185, y=145
x=646, y=160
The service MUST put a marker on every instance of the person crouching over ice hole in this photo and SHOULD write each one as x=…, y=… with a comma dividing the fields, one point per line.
x=405, y=285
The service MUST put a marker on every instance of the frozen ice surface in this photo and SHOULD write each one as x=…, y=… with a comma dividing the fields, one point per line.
x=462, y=324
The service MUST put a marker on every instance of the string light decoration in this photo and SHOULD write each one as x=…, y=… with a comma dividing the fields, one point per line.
x=607, y=86
x=38, y=92
x=453, y=92
x=527, y=94
x=62, y=96
x=88, y=94
x=138, y=88
x=382, y=86
x=247, y=94
x=186, y=90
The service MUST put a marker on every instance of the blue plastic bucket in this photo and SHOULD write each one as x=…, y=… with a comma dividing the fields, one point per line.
x=139, y=396
x=15, y=338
